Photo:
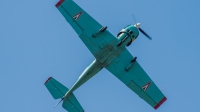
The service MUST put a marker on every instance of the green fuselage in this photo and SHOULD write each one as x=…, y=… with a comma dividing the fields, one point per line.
x=126, y=36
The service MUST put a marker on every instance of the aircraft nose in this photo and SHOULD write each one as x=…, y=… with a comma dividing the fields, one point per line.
x=137, y=25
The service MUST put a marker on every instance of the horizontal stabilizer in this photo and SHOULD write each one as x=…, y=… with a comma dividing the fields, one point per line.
x=71, y=104
x=58, y=90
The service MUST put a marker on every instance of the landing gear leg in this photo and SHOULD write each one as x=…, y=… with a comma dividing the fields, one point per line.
x=134, y=59
x=131, y=64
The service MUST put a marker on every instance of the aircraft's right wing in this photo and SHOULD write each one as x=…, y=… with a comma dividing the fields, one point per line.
x=93, y=34
x=133, y=76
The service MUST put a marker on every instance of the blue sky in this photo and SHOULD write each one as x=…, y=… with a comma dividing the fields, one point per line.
x=36, y=42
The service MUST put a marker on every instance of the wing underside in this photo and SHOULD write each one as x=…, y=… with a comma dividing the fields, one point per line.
x=88, y=29
x=136, y=79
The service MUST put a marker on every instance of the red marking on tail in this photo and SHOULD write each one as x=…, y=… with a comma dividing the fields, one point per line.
x=47, y=80
x=59, y=3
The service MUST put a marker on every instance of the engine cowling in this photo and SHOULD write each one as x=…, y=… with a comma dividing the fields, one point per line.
x=127, y=35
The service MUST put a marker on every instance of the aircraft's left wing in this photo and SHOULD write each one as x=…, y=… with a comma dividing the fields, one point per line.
x=133, y=76
x=93, y=35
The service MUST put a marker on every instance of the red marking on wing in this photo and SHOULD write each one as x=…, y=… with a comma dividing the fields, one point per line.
x=59, y=3
x=160, y=103
x=47, y=80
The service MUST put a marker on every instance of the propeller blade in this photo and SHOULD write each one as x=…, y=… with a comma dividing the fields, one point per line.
x=59, y=102
x=134, y=18
x=145, y=34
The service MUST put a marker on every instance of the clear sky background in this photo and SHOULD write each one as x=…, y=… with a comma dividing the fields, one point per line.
x=36, y=42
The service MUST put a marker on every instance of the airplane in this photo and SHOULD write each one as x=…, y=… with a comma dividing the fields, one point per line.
x=110, y=52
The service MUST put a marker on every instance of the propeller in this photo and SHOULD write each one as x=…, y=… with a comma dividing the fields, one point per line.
x=137, y=25
x=145, y=34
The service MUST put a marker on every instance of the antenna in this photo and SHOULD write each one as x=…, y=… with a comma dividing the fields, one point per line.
x=163, y=88
x=59, y=102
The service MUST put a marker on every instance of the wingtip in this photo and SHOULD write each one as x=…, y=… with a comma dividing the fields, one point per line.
x=59, y=3
x=47, y=80
x=160, y=103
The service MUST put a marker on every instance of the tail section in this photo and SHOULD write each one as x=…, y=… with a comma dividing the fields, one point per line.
x=58, y=90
